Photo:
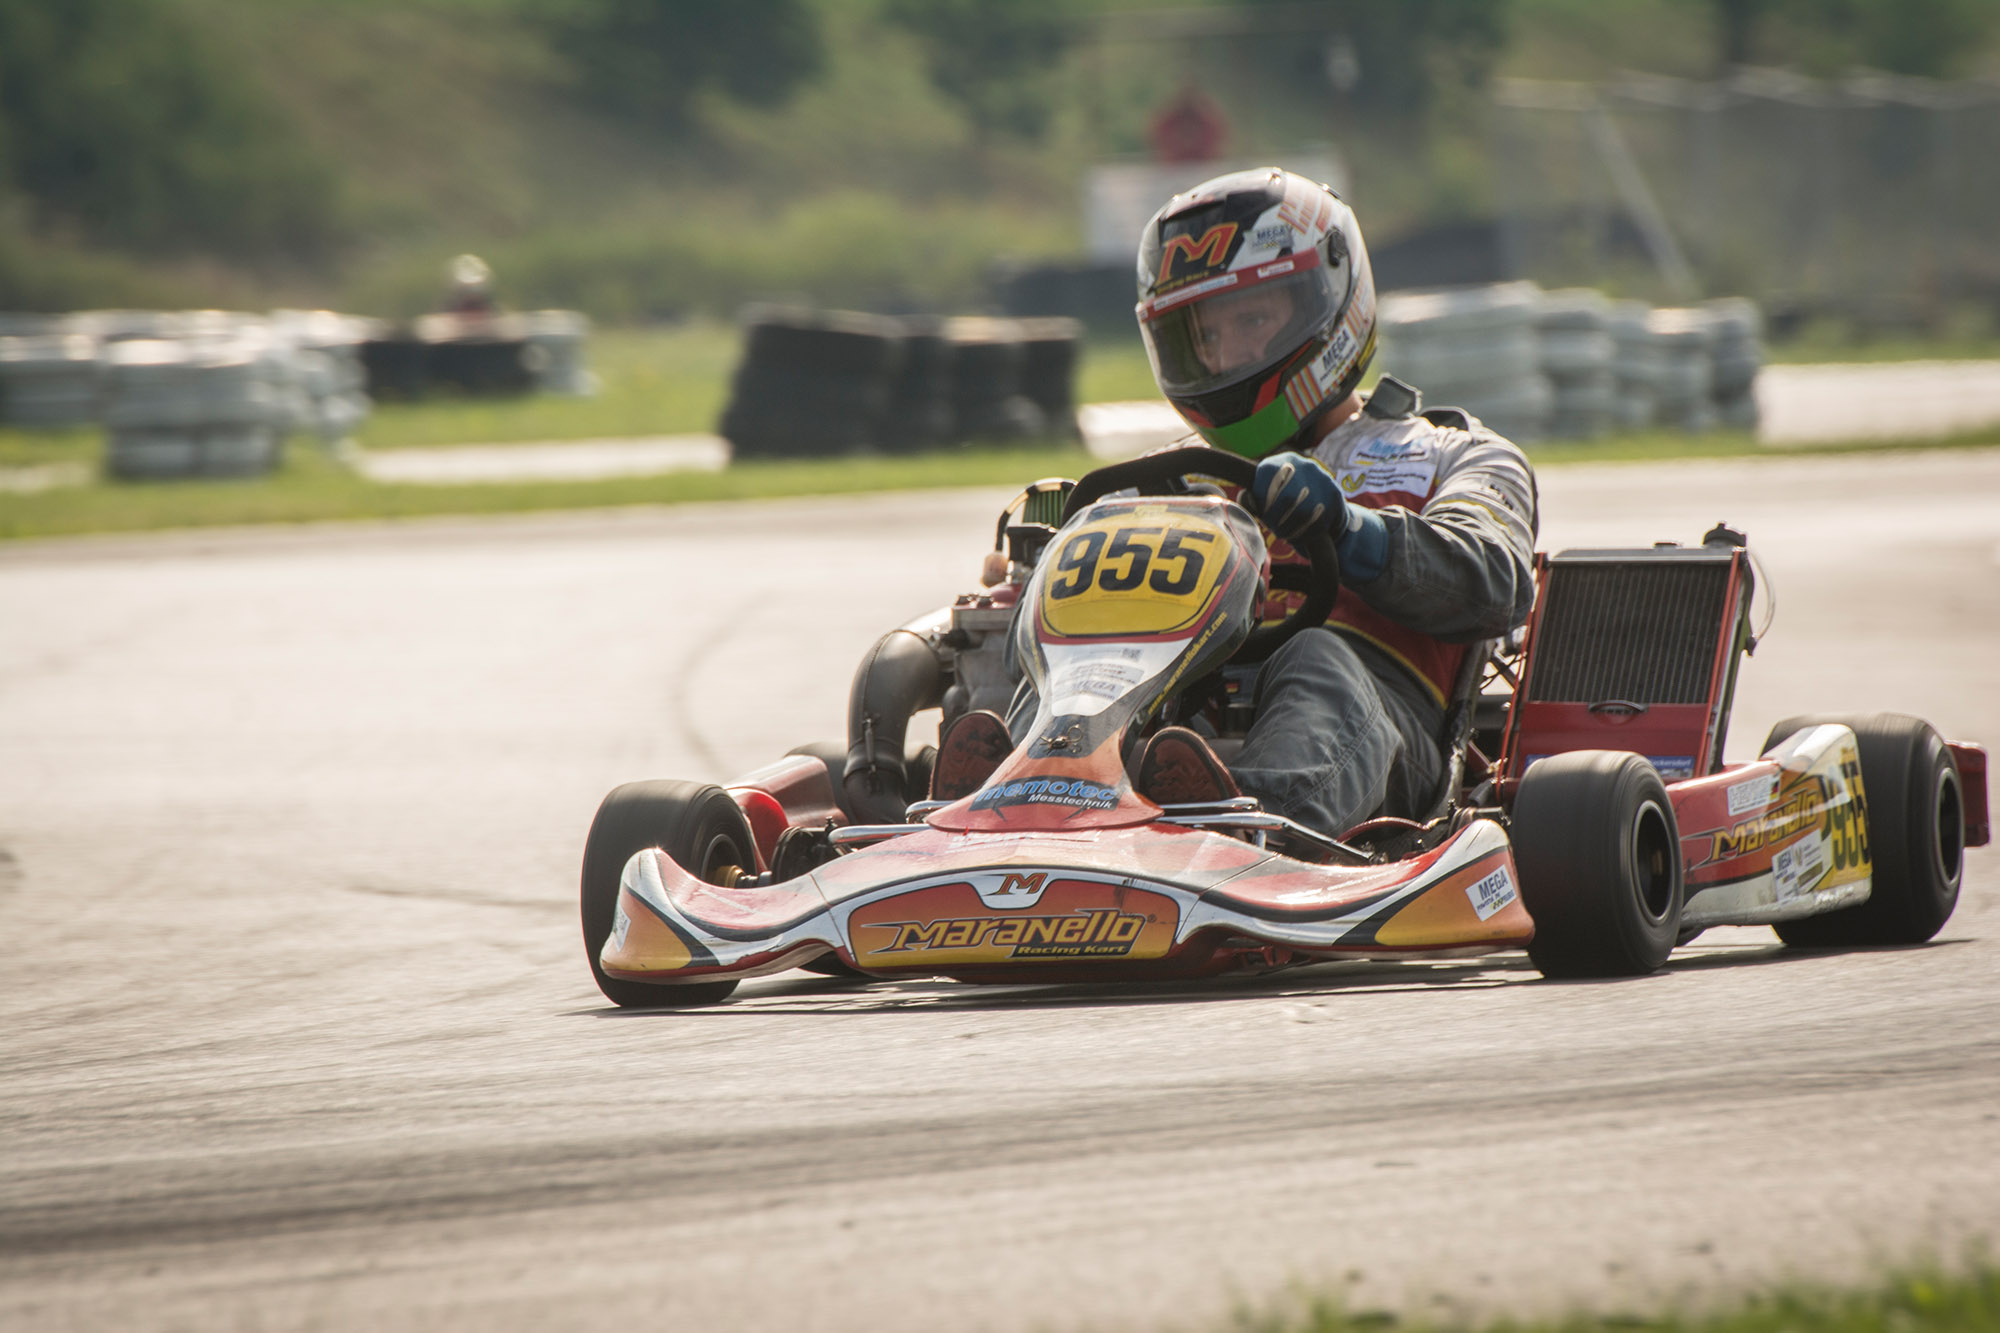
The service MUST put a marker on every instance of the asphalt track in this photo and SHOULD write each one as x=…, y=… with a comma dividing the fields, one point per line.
x=295, y=1031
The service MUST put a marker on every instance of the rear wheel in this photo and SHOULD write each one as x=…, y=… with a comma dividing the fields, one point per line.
x=1916, y=834
x=701, y=828
x=1600, y=863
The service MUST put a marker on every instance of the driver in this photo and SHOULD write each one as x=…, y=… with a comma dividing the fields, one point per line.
x=1257, y=306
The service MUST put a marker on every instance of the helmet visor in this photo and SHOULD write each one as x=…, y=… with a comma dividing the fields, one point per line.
x=1202, y=340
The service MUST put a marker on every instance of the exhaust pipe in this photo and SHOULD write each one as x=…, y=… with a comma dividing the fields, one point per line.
x=899, y=676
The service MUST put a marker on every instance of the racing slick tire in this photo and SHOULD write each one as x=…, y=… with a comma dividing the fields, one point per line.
x=701, y=828
x=1914, y=813
x=1599, y=858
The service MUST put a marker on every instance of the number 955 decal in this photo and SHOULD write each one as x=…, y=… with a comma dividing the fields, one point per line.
x=1117, y=576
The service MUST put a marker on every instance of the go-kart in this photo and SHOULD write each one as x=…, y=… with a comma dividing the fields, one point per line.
x=1586, y=815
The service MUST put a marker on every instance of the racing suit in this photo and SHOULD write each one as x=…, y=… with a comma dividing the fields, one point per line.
x=1347, y=719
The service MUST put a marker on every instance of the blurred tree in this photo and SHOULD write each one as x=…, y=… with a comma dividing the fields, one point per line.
x=653, y=58
x=116, y=122
x=995, y=58
x=1391, y=55
x=1927, y=37
x=1736, y=24
x=1933, y=38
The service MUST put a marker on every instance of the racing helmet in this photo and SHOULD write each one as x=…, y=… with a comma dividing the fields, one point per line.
x=1257, y=306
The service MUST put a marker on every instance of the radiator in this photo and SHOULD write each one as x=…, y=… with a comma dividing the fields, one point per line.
x=1633, y=650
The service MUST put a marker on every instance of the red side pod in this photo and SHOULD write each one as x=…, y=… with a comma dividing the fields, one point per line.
x=766, y=818
x=793, y=792
x=1970, y=761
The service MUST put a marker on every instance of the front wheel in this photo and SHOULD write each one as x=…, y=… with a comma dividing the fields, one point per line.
x=1915, y=817
x=1599, y=856
x=701, y=828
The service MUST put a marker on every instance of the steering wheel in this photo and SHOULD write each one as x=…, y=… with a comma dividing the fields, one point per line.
x=1154, y=474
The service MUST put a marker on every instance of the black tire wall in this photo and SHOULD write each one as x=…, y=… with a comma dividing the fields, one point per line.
x=826, y=384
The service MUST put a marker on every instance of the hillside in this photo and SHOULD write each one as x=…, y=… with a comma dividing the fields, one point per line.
x=445, y=125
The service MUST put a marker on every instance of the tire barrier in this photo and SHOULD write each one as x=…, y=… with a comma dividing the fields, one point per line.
x=394, y=369
x=557, y=342
x=482, y=356
x=1738, y=356
x=1572, y=363
x=919, y=413
x=1685, y=339
x=187, y=393
x=48, y=379
x=1635, y=366
x=1049, y=349
x=1473, y=347
x=826, y=383
x=1579, y=356
x=479, y=367
x=811, y=383
x=210, y=408
x=986, y=398
x=325, y=357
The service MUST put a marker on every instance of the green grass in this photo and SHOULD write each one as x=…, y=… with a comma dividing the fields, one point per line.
x=26, y=448
x=655, y=381
x=1919, y=1302
x=1114, y=372
x=669, y=381
x=1659, y=446
x=310, y=487
x=1831, y=348
x=666, y=381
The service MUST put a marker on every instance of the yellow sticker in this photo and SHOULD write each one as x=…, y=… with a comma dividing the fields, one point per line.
x=1133, y=573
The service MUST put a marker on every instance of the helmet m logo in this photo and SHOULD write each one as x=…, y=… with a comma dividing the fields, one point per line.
x=1206, y=253
x=1012, y=890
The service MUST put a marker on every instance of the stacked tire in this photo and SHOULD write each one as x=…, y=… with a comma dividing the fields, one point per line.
x=919, y=412
x=325, y=351
x=209, y=408
x=825, y=384
x=48, y=379
x=1578, y=355
x=811, y=384
x=1573, y=363
x=987, y=357
x=1736, y=356
x=1048, y=371
x=556, y=341
x=481, y=356
x=1478, y=348
x=1635, y=366
x=1684, y=339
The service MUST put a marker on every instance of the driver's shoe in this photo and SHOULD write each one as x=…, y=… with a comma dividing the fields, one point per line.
x=1178, y=768
x=968, y=752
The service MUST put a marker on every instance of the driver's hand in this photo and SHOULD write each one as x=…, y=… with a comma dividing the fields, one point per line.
x=1296, y=497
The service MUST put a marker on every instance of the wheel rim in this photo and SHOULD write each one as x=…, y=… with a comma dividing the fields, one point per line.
x=1653, y=861
x=722, y=861
x=1949, y=851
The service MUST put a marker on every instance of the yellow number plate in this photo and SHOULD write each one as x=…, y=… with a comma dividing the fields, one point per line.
x=1132, y=573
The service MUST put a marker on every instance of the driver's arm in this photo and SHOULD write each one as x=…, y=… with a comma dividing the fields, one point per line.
x=1463, y=568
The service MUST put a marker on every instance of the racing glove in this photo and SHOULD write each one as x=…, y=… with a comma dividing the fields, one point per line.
x=1296, y=496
